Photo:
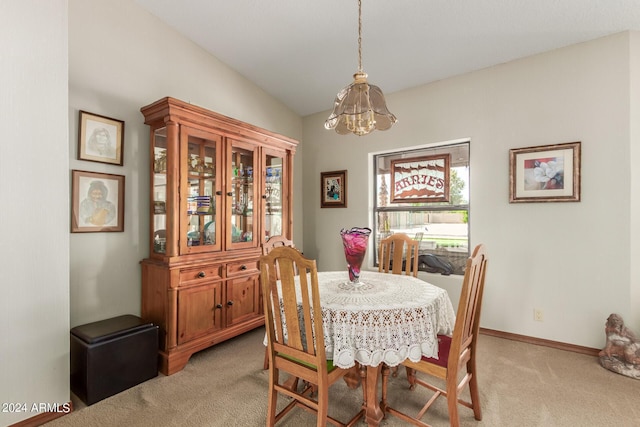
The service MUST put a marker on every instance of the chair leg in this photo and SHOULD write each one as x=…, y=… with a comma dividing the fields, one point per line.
x=266, y=359
x=394, y=371
x=385, y=383
x=411, y=377
x=473, y=390
x=273, y=399
x=452, y=402
x=323, y=410
x=475, y=398
x=362, y=369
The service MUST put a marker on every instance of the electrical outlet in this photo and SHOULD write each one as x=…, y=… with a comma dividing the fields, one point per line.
x=537, y=315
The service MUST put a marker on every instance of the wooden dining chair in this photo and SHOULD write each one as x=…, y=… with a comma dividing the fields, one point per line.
x=456, y=354
x=398, y=254
x=268, y=246
x=293, y=320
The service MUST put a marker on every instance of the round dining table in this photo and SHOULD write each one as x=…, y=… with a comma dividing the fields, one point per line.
x=383, y=319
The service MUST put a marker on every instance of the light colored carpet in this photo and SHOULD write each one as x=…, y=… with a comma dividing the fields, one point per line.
x=520, y=385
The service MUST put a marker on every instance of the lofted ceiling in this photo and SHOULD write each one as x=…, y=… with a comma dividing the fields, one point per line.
x=303, y=52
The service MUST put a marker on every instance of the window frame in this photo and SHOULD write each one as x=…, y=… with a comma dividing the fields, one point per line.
x=422, y=207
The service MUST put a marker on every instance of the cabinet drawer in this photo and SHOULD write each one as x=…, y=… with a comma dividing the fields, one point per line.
x=242, y=268
x=200, y=274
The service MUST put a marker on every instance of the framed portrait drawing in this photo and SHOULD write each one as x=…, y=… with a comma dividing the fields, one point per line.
x=333, y=189
x=97, y=202
x=547, y=173
x=100, y=139
x=420, y=179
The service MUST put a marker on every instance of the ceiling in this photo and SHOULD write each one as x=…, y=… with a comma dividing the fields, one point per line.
x=303, y=52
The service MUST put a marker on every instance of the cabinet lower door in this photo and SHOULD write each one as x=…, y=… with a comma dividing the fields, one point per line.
x=199, y=311
x=243, y=299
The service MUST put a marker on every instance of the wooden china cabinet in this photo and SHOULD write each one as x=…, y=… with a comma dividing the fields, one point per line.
x=219, y=189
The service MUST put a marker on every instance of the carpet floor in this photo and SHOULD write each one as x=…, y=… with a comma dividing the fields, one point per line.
x=520, y=385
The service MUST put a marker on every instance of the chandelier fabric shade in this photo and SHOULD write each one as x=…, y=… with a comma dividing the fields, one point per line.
x=360, y=108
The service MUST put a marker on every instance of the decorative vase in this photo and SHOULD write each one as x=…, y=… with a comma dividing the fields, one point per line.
x=355, y=246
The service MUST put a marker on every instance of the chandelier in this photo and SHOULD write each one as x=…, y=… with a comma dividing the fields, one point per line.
x=359, y=108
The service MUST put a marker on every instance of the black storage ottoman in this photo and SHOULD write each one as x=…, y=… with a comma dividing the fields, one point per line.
x=112, y=355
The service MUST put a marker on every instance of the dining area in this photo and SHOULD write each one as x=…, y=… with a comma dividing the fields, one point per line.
x=372, y=324
x=574, y=91
x=370, y=349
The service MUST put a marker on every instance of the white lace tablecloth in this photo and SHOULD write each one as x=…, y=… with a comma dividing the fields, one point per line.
x=388, y=318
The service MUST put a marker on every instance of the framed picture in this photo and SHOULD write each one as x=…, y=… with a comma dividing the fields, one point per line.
x=333, y=189
x=548, y=173
x=420, y=179
x=97, y=202
x=100, y=139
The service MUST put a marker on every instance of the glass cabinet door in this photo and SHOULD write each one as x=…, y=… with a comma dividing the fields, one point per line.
x=201, y=190
x=159, y=201
x=241, y=194
x=274, y=191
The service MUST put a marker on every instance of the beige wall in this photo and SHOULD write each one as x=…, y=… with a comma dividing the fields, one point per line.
x=559, y=257
x=34, y=193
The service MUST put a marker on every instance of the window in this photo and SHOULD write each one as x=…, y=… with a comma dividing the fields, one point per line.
x=424, y=193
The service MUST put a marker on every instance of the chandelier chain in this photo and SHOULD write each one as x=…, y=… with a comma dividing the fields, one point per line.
x=360, y=35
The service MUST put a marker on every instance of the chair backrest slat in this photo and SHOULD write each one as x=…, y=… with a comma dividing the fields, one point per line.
x=398, y=254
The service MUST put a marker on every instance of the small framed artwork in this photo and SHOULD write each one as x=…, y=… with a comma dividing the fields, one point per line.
x=420, y=179
x=100, y=138
x=547, y=173
x=97, y=202
x=333, y=189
